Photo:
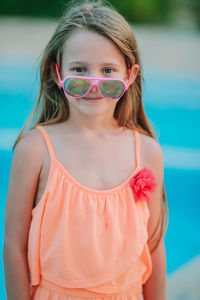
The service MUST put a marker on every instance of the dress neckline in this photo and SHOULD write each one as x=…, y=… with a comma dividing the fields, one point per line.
x=57, y=163
x=83, y=187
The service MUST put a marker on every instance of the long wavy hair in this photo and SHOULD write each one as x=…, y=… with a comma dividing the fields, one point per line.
x=52, y=105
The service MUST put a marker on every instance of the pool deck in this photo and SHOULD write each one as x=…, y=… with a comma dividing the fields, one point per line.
x=162, y=50
x=184, y=283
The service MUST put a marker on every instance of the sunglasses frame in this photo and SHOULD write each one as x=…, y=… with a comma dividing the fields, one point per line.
x=90, y=79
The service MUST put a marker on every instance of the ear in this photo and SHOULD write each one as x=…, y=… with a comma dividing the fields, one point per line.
x=55, y=76
x=135, y=71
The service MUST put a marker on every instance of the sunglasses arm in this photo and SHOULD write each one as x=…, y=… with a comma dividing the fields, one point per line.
x=131, y=71
x=59, y=78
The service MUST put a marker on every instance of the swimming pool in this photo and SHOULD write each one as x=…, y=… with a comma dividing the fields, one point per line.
x=172, y=104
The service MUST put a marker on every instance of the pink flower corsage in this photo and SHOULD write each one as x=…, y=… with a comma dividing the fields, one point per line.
x=143, y=185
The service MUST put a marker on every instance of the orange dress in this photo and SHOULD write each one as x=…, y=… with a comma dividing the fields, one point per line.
x=85, y=243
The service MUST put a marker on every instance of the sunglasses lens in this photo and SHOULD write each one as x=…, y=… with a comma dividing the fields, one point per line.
x=111, y=88
x=77, y=86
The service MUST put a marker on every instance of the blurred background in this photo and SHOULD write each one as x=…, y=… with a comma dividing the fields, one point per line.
x=168, y=36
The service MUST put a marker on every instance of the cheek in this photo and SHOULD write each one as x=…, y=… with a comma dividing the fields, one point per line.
x=71, y=100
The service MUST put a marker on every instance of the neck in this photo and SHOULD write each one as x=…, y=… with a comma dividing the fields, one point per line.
x=98, y=126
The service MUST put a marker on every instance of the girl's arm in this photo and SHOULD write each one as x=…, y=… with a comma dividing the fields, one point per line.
x=24, y=175
x=155, y=287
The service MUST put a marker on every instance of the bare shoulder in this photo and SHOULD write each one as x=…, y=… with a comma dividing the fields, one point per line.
x=28, y=155
x=151, y=153
x=31, y=142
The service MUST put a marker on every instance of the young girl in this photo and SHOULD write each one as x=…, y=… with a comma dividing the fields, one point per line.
x=86, y=202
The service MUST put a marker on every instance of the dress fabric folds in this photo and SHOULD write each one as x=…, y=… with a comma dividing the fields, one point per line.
x=88, y=244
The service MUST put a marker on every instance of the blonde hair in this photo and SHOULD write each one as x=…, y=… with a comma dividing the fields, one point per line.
x=129, y=110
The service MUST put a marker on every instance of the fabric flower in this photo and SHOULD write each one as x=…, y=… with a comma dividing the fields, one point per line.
x=143, y=185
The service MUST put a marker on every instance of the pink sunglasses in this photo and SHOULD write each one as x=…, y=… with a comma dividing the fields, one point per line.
x=80, y=86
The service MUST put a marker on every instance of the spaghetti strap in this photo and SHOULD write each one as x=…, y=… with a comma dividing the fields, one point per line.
x=48, y=142
x=137, y=148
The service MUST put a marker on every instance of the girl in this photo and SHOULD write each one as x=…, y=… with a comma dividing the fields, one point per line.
x=86, y=201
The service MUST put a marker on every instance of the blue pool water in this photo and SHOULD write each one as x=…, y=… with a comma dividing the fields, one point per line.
x=172, y=103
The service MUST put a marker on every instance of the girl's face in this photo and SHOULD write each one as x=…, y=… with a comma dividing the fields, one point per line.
x=87, y=53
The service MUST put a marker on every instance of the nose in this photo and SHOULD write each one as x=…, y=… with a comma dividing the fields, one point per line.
x=94, y=88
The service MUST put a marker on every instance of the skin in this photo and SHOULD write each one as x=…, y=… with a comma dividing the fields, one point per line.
x=108, y=62
x=90, y=124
